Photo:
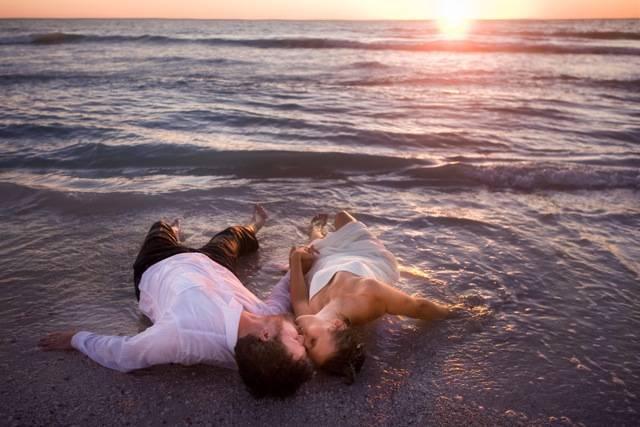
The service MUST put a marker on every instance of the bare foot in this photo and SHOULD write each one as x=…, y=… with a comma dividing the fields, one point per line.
x=175, y=226
x=259, y=217
x=317, y=226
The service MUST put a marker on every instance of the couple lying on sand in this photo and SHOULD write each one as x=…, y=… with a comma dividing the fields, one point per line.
x=201, y=313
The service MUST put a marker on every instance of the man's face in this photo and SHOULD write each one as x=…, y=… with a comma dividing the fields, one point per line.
x=291, y=338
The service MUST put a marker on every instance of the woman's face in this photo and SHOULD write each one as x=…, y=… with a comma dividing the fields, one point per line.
x=318, y=337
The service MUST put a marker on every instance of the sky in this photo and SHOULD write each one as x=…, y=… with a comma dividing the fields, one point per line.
x=319, y=9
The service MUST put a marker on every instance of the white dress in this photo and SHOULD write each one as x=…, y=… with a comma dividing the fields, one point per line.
x=354, y=249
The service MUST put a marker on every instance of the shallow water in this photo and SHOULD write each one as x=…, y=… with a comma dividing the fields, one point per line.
x=502, y=171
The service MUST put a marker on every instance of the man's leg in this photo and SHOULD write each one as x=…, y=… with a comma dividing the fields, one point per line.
x=227, y=246
x=161, y=243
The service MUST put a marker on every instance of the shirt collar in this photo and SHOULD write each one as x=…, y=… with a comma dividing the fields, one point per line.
x=231, y=323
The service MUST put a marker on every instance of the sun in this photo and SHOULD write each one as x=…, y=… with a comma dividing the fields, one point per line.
x=454, y=18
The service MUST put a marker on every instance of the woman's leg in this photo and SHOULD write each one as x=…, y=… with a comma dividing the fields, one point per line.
x=317, y=227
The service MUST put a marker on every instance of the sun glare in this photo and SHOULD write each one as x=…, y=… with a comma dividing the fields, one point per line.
x=454, y=18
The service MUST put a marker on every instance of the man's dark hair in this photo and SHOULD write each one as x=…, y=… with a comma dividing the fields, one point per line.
x=268, y=369
x=348, y=357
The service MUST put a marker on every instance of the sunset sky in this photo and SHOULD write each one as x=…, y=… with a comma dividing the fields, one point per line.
x=324, y=9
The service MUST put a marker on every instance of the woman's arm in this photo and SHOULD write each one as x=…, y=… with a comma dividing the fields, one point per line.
x=299, y=259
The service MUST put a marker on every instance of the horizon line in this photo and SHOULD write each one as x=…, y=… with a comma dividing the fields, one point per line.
x=311, y=19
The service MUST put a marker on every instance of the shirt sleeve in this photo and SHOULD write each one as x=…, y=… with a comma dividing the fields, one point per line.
x=280, y=299
x=156, y=345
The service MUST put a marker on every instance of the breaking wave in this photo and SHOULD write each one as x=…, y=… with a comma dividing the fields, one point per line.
x=455, y=46
x=181, y=160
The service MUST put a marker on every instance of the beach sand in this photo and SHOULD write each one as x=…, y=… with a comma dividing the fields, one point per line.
x=80, y=277
x=66, y=388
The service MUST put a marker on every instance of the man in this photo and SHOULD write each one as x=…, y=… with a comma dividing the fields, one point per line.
x=203, y=314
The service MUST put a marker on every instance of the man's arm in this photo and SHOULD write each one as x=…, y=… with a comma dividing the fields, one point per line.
x=57, y=341
x=280, y=300
x=156, y=345
x=397, y=302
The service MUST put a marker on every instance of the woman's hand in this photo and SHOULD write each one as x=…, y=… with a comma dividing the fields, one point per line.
x=305, y=255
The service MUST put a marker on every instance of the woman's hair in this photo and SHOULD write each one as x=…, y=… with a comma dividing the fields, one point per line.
x=268, y=369
x=348, y=357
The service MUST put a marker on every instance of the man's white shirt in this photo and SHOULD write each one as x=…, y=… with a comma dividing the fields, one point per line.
x=195, y=305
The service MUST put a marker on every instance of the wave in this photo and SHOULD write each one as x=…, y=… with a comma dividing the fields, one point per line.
x=369, y=65
x=454, y=46
x=488, y=27
x=630, y=85
x=194, y=160
x=459, y=79
x=20, y=199
x=492, y=31
x=432, y=140
x=530, y=176
x=590, y=35
x=58, y=131
x=280, y=127
x=26, y=78
x=56, y=38
x=99, y=160
x=419, y=79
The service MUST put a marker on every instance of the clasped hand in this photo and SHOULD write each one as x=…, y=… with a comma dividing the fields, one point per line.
x=305, y=255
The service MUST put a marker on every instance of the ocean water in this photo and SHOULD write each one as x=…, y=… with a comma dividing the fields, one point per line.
x=502, y=169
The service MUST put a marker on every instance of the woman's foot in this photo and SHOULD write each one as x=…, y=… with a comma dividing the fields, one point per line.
x=317, y=226
x=343, y=218
x=259, y=217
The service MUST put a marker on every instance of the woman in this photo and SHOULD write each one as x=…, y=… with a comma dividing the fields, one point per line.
x=342, y=280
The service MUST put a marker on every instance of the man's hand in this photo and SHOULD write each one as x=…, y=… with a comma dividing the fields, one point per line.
x=305, y=255
x=57, y=341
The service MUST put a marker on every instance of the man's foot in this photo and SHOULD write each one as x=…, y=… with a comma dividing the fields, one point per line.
x=317, y=226
x=175, y=226
x=259, y=217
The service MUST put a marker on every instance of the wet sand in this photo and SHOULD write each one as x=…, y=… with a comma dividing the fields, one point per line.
x=66, y=388
x=415, y=374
